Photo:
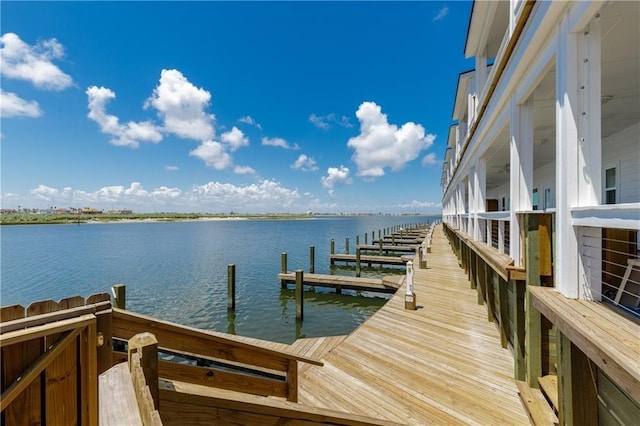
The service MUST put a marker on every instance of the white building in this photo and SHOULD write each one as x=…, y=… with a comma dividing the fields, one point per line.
x=547, y=127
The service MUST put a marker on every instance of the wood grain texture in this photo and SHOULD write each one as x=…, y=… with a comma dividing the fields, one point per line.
x=442, y=363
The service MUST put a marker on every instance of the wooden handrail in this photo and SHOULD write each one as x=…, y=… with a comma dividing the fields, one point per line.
x=19, y=336
x=50, y=317
x=210, y=344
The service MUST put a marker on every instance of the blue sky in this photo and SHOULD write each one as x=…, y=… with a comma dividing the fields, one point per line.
x=228, y=106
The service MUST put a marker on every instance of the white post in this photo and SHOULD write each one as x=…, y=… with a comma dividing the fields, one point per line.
x=520, y=172
x=410, y=296
x=480, y=185
x=472, y=204
x=567, y=170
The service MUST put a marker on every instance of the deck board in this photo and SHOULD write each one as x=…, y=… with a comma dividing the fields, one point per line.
x=442, y=363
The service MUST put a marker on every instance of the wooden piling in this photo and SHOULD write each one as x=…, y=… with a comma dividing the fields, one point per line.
x=346, y=245
x=312, y=259
x=231, y=287
x=365, y=239
x=332, y=250
x=119, y=295
x=299, y=294
x=357, y=261
x=357, y=240
x=283, y=267
x=380, y=245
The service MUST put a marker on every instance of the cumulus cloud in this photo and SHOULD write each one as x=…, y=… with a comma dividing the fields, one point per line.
x=420, y=205
x=234, y=139
x=325, y=121
x=441, y=14
x=33, y=63
x=244, y=170
x=382, y=145
x=264, y=196
x=247, y=119
x=181, y=106
x=336, y=176
x=429, y=159
x=129, y=134
x=278, y=142
x=305, y=164
x=11, y=105
x=213, y=154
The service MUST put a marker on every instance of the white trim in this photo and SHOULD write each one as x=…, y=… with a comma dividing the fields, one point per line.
x=504, y=216
x=621, y=216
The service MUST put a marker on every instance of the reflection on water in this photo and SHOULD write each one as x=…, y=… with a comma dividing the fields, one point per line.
x=177, y=271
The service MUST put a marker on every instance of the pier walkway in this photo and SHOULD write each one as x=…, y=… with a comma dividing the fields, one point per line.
x=440, y=364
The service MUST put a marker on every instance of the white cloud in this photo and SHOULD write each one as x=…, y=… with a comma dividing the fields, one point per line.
x=278, y=142
x=336, y=176
x=181, y=106
x=129, y=134
x=420, y=204
x=380, y=144
x=441, y=14
x=249, y=120
x=244, y=170
x=429, y=159
x=33, y=63
x=235, y=139
x=171, y=168
x=305, y=163
x=213, y=155
x=325, y=121
x=11, y=105
x=267, y=195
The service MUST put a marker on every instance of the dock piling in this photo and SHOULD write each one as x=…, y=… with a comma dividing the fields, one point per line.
x=312, y=259
x=332, y=250
x=346, y=245
x=299, y=294
x=119, y=292
x=358, y=262
x=231, y=287
x=283, y=268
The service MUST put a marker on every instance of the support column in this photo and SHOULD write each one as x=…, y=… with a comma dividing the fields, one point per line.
x=480, y=188
x=471, y=217
x=520, y=172
x=578, y=147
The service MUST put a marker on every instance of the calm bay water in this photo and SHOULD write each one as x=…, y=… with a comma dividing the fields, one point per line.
x=177, y=271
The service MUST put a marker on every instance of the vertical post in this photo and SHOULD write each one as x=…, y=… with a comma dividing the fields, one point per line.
x=231, y=287
x=312, y=259
x=533, y=326
x=332, y=250
x=119, y=295
x=380, y=246
x=299, y=294
x=146, y=346
x=357, y=261
x=357, y=240
x=346, y=245
x=410, y=296
x=283, y=268
x=365, y=238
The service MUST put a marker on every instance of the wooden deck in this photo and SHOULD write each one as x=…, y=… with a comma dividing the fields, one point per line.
x=341, y=282
x=440, y=364
x=368, y=259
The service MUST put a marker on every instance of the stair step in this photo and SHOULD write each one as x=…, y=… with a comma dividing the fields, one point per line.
x=549, y=386
x=540, y=412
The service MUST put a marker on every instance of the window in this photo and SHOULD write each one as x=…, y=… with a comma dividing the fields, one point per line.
x=610, y=185
x=548, y=201
x=534, y=199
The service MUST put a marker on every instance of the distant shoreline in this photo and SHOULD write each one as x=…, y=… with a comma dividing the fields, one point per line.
x=58, y=219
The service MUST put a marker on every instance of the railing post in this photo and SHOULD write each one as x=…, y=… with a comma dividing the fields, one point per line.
x=119, y=295
x=146, y=346
x=299, y=294
x=231, y=287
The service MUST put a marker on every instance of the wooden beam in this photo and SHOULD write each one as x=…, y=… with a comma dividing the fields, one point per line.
x=504, y=311
x=18, y=336
x=517, y=311
x=32, y=321
x=146, y=346
x=533, y=331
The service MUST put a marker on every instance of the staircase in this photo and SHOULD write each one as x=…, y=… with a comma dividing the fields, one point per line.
x=541, y=404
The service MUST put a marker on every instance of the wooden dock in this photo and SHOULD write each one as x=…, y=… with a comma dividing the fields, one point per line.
x=440, y=364
x=340, y=282
x=389, y=248
x=369, y=259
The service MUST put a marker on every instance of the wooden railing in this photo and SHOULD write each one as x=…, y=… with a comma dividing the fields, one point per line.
x=49, y=365
x=235, y=365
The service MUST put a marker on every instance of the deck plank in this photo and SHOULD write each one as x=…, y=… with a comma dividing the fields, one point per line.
x=441, y=363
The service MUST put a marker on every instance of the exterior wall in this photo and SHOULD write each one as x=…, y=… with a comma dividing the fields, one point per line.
x=623, y=149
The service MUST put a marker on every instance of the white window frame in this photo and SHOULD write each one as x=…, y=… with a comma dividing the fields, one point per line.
x=615, y=188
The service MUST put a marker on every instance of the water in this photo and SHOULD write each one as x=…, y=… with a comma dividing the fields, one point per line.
x=177, y=271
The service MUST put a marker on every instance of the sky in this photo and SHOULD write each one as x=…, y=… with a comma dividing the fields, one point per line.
x=247, y=107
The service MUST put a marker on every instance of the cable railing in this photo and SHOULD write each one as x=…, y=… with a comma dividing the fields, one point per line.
x=614, y=272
